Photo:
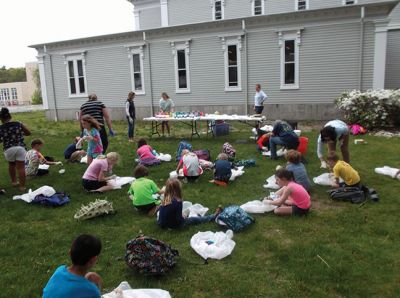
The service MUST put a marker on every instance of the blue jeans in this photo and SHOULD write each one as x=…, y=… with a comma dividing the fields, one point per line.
x=131, y=129
x=273, y=141
x=198, y=220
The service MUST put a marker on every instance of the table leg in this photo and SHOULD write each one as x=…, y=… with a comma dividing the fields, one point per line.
x=154, y=128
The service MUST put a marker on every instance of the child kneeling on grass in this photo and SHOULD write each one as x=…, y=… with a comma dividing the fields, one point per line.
x=76, y=281
x=191, y=166
x=72, y=153
x=170, y=212
x=34, y=158
x=222, y=170
x=292, y=198
x=342, y=169
x=298, y=169
x=142, y=190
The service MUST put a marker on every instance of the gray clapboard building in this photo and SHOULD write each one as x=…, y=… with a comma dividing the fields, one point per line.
x=208, y=55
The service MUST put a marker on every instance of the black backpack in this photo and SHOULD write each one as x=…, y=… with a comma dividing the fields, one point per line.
x=356, y=195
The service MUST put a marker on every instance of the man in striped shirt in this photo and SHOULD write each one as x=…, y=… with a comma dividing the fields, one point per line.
x=98, y=110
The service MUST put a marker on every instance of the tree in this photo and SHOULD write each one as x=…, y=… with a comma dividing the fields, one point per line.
x=37, y=95
x=12, y=75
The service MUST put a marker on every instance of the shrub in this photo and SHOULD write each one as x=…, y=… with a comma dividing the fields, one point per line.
x=37, y=97
x=372, y=108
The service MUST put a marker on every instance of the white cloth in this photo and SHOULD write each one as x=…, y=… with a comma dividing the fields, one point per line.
x=124, y=290
x=164, y=157
x=118, y=182
x=44, y=167
x=388, y=171
x=47, y=191
x=210, y=245
x=258, y=206
x=193, y=210
x=236, y=173
x=84, y=159
x=271, y=183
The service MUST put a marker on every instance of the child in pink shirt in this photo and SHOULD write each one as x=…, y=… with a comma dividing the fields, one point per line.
x=293, y=199
x=144, y=151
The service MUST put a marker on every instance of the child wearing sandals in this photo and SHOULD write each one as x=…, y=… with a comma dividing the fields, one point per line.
x=292, y=198
x=170, y=212
x=91, y=134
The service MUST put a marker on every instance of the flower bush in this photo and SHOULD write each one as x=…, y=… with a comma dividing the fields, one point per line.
x=372, y=108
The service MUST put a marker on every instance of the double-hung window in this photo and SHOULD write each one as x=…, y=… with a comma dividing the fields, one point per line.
x=258, y=7
x=349, y=2
x=4, y=94
x=14, y=94
x=136, y=55
x=301, y=4
x=289, y=43
x=232, y=64
x=76, y=72
x=218, y=9
x=182, y=69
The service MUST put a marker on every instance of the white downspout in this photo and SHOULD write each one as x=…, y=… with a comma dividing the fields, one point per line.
x=361, y=58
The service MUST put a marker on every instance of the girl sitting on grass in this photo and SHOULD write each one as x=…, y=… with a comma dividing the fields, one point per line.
x=144, y=151
x=91, y=134
x=298, y=169
x=292, y=198
x=170, y=215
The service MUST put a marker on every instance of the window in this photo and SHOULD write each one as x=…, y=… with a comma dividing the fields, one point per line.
x=289, y=60
x=76, y=76
x=14, y=94
x=136, y=57
x=232, y=64
x=218, y=10
x=301, y=4
x=258, y=7
x=4, y=94
x=182, y=75
x=349, y=2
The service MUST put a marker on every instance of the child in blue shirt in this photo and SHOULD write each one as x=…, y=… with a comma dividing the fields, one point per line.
x=222, y=170
x=76, y=281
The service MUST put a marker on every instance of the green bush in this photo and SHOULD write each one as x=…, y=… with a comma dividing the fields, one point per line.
x=37, y=97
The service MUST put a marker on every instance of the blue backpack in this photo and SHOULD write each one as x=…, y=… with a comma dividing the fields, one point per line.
x=182, y=146
x=58, y=199
x=235, y=218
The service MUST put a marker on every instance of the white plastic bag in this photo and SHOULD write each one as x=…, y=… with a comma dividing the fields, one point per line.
x=47, y=191
x=118, y=182
x=388, y=171
x=124, y=290
x=271, y=183
x=258, y=206
x=324, y=179
x=236, y=173
x=193, y=210
x=164, y=157
x=84, y=159
x=210, y=245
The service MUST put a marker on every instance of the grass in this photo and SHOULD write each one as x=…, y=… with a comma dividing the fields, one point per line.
x=339, y=250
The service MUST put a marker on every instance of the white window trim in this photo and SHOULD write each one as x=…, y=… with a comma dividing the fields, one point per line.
x=14, y=95
x=179, y=45
x=296, y=36
x=137, y=51
x=225, y=43
x=222, y=9
x=75, y=57
x=296, y=5
x=344, y=2
x=253, y=8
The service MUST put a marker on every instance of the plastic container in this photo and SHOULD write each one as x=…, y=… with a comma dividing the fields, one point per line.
x=302, y=148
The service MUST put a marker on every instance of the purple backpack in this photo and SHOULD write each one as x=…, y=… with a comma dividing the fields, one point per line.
x=203, y=154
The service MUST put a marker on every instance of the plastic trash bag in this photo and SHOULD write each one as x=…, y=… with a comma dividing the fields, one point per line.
x=324, y=179
x=388, y=171
x=258, y=206
x=210, y=245
x=46, y=191
x=271, y=183
x=164, y=157
x=124, y=290
x=236, y=173
x=193, y=210
x=118, y=182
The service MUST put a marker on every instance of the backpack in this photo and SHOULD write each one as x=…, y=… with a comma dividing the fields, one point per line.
x=357, y=129
x=58, y=199
x=182, y=146
x=355, y=195
x=148, y=162
x=229, y=150
x=245, y=163
x=203, y=154
x=150, y=256
x=235, y=218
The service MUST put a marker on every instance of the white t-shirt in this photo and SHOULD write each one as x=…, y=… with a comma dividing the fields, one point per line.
x=259, y=98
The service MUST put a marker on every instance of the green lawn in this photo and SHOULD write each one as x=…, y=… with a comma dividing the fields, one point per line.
x=277, y=257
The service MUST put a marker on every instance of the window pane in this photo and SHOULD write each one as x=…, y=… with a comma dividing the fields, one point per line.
x=182, y=83
x=302, y=4
x=81, y=85
x=80, y=68
x=181, y=59
x=72, y=86
x=289, y=73
x=233, y=76
x=257, y=11
x=138, y=81
x=289, y=50
x=232, y=55
x=218, y=10
x=71, y=69
x=136, y=62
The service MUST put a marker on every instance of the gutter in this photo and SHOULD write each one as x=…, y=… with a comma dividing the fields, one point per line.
x=52, y=83
x=361, y=58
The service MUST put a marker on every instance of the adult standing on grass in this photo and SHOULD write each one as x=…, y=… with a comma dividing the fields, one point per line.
x=259, y=99
x=12, y=135
x=166, y=107
x=130, y=112
x=98, y=110
x=330, y=134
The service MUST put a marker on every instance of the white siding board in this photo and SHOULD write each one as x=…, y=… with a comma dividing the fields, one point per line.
x=189, y=11
x=392, y=78
x=395, y=15
x=150, y=18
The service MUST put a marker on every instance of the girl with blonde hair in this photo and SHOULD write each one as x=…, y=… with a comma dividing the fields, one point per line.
x=91, y=134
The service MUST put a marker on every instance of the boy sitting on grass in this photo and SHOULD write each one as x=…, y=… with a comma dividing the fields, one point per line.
x=76, y=281
x=72, y=153
x=34, y=158
x=222, y=170
x=342, y=169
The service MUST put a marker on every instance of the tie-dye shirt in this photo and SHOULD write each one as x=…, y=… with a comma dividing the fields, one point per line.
x=95, y=146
